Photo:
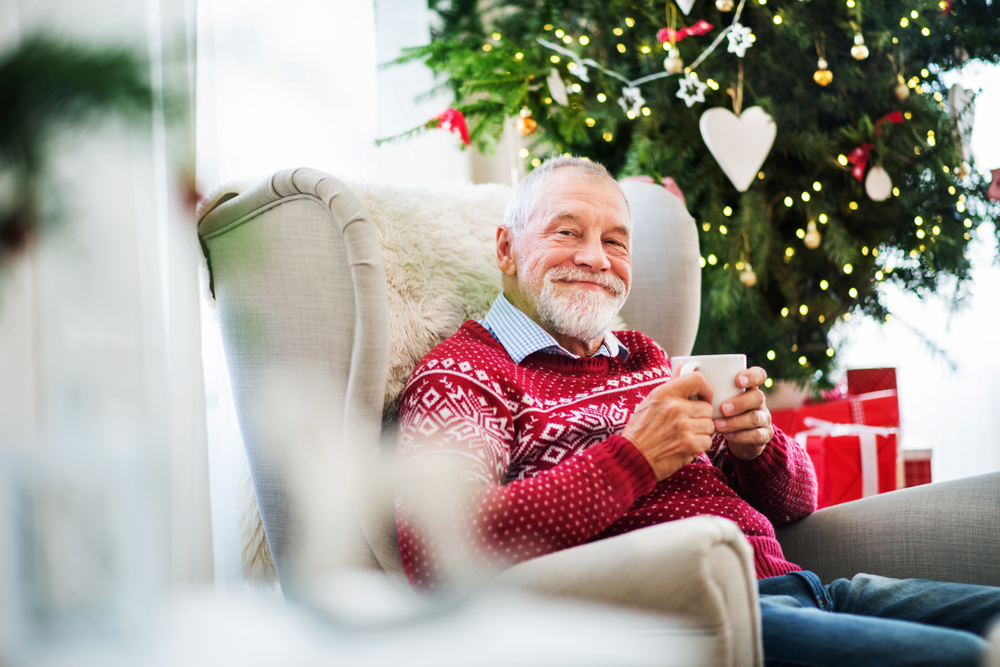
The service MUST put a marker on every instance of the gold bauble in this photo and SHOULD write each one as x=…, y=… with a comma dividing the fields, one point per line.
x=748, y=277
x=673, y=63
x=812, y=238
x=859, y=51
x=901, y=90
x=963, y=170
x=724, y=5
x=526, y=125
x=822, y=75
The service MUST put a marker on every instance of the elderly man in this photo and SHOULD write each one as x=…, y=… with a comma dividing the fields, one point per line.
x=565, y=433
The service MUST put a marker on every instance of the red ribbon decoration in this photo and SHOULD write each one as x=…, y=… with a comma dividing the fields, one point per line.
x=894, y=117
x=859, y=158
x=673, y=36
x=451, y=120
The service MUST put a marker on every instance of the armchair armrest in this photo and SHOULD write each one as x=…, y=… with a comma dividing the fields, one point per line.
x=946, y=531
x=700, y=568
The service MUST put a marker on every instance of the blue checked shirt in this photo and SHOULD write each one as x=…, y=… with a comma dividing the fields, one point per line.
x=521, y=336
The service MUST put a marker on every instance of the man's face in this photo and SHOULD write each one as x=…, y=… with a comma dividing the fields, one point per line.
x=573, y=260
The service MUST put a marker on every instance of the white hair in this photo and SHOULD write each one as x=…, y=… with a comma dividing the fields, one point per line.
x=528, y=192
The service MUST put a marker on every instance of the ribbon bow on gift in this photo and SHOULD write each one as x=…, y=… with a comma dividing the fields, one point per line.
x=672, y=36
x=859, y=156
x=867, y=437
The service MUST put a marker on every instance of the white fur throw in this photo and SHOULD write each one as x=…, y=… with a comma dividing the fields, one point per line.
x=439, y=251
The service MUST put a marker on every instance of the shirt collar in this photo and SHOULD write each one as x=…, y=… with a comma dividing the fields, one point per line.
x=520, y=335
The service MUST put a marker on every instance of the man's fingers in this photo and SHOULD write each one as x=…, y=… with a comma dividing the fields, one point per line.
x=752, y=399
x=742, y=422
x=754, y=436
x=751, y=377
x=685, y=386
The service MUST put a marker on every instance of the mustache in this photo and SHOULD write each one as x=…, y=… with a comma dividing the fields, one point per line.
x=612, y=283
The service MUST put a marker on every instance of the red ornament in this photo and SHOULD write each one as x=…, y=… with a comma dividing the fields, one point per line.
x=451, y=120
x=859, y=158
x=994, y=190
x=894, y=117
x=672, y=36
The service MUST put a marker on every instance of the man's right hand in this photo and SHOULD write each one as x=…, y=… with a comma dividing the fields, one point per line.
x=670, y=429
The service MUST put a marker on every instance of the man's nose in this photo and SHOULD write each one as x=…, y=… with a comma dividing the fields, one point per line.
x=591, y=254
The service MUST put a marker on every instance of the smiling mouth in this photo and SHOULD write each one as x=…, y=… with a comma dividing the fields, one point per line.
x=586, y=283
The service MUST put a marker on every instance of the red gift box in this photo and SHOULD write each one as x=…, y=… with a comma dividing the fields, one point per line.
x=852, y=461
x=917, y=466
x=867, y=380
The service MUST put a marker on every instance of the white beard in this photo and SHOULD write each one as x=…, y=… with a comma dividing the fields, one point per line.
x=583, y=315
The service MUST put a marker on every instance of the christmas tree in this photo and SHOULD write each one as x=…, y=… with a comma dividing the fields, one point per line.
x=868, y=179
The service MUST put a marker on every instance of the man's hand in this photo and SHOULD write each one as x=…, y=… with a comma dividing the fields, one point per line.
x=746, y=421
x=671, y=430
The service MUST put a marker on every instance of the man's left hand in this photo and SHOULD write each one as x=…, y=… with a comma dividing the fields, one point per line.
x=746, y=421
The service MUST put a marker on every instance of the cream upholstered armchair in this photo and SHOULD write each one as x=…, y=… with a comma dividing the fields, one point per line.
x=357, y=283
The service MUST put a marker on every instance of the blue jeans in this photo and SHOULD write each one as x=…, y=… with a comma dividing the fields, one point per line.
x=871, y=620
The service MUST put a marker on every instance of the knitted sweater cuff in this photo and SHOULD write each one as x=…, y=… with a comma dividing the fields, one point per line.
x=624, y=466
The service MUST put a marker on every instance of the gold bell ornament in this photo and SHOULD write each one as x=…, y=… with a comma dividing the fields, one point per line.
x=673, y=63
x=526, y=124
x=859, y=51
x=822, y=75
x=724, y=5
x=812, y=238
x=747, y=276
x=901, y=90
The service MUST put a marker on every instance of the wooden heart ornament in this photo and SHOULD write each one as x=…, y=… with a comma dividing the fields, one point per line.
x=739, y=144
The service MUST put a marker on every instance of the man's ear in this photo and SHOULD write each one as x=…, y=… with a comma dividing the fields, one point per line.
x=505, y=252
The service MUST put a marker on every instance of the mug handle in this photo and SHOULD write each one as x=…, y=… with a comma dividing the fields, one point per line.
x=689, y=367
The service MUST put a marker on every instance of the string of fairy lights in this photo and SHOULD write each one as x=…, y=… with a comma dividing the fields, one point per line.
x=691, y=90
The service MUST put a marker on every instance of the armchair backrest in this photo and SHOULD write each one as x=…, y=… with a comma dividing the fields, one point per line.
x=357, y=283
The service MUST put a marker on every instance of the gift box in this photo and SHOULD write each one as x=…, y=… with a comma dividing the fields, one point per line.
x=852, y=461
x=916, y=467
x=868, y=380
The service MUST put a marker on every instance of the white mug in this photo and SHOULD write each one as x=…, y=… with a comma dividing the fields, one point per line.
x=719, y=369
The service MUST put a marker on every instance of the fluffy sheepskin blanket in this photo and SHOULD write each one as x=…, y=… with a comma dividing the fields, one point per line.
x=439, y=251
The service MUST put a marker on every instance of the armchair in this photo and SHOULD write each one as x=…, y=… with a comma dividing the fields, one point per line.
x=358, y=283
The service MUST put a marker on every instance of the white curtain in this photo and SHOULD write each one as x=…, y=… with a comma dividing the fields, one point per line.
x=297, y=84
x=103, y=460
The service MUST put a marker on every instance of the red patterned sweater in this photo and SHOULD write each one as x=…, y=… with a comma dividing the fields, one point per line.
x=539, y=445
